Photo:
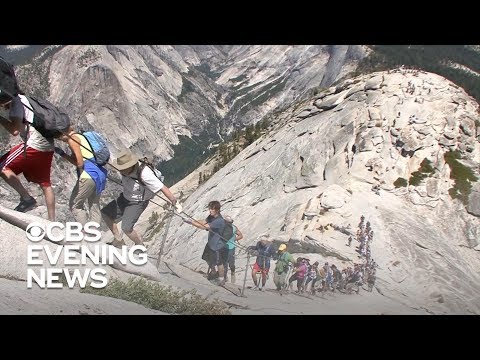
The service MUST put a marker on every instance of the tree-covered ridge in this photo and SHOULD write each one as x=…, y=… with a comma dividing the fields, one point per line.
x=439, y=59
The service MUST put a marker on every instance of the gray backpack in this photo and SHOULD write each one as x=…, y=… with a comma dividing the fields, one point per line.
x=8, y=82
x=48, y=120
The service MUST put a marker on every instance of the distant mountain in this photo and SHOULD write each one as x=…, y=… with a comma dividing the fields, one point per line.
x=20, y=54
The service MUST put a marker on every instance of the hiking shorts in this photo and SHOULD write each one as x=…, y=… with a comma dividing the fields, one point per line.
x=126, y=211
x=35, y=166
x=257, y=268
x=214, y=257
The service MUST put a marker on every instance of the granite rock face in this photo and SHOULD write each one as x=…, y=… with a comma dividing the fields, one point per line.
x=316, y=170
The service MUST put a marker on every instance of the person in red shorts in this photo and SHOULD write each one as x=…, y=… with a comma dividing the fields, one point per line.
x=33, y=157
x=265, y=251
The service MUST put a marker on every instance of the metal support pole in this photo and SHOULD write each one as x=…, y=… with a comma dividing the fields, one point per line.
x=245, y=277
x=170, y=210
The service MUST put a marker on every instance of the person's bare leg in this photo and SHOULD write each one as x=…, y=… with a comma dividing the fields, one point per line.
x=133, y=235
x=112, y=226
x=254, y=277
x=12, y=179
x=264, y=279
x=221, y=272
x=49, y=201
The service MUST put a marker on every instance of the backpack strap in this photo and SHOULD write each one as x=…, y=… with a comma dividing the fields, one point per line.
x=140, y=168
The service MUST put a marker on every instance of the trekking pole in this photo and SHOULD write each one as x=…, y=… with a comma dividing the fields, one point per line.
x=289, y=272
x=245, y=276
x=165, y=235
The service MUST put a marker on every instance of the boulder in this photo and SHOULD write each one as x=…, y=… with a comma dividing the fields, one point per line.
x=374, y=83
x=334, y=197
x=467, y=125
x=473, y=206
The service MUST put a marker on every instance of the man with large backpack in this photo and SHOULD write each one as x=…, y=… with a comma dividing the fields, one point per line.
x=91, y=174
x=140, y=185
x=33, y=157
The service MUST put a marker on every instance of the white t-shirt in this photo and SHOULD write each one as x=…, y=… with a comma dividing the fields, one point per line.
x=34, y=139
x=133, y=190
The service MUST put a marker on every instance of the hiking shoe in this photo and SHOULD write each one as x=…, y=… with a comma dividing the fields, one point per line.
x=117, y=243
x=26, y=205
x=213, y=275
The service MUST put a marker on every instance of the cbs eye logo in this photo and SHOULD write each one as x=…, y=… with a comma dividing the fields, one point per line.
x=70, y=232
x=35, y=231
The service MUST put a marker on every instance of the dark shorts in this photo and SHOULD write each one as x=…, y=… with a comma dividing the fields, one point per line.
x=126, y=211
x=215, y=257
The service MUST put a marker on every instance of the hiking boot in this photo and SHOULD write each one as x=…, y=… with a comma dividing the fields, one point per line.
x=118, y=243
x=26, y=205
x=213, y=275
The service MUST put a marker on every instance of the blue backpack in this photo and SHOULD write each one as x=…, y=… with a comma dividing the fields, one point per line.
x=99, y=147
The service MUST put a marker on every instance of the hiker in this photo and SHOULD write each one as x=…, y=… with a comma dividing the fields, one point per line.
x=140, y=185
x=362, y=221
x=299, y=275
x=321, y=278
x=33, y=157
x=354, y=280
x=350, y=239
x=215, y=252
x=91, y=178
x=265, y=252
x=312, y=275
x=371, y=280
x=282, y=266
x=337, y=277
x=328, y=277
x=230, y=245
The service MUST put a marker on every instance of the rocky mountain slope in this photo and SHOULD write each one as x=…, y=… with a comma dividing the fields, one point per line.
x=16, y=298
x=317, y=165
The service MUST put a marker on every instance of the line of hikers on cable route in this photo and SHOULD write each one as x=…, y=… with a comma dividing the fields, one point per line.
x=223, y=238
x=39, y=124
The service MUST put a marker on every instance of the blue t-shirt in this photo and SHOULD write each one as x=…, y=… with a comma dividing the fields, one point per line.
x=216, y=229
x=231, y=242
x=265, y=253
